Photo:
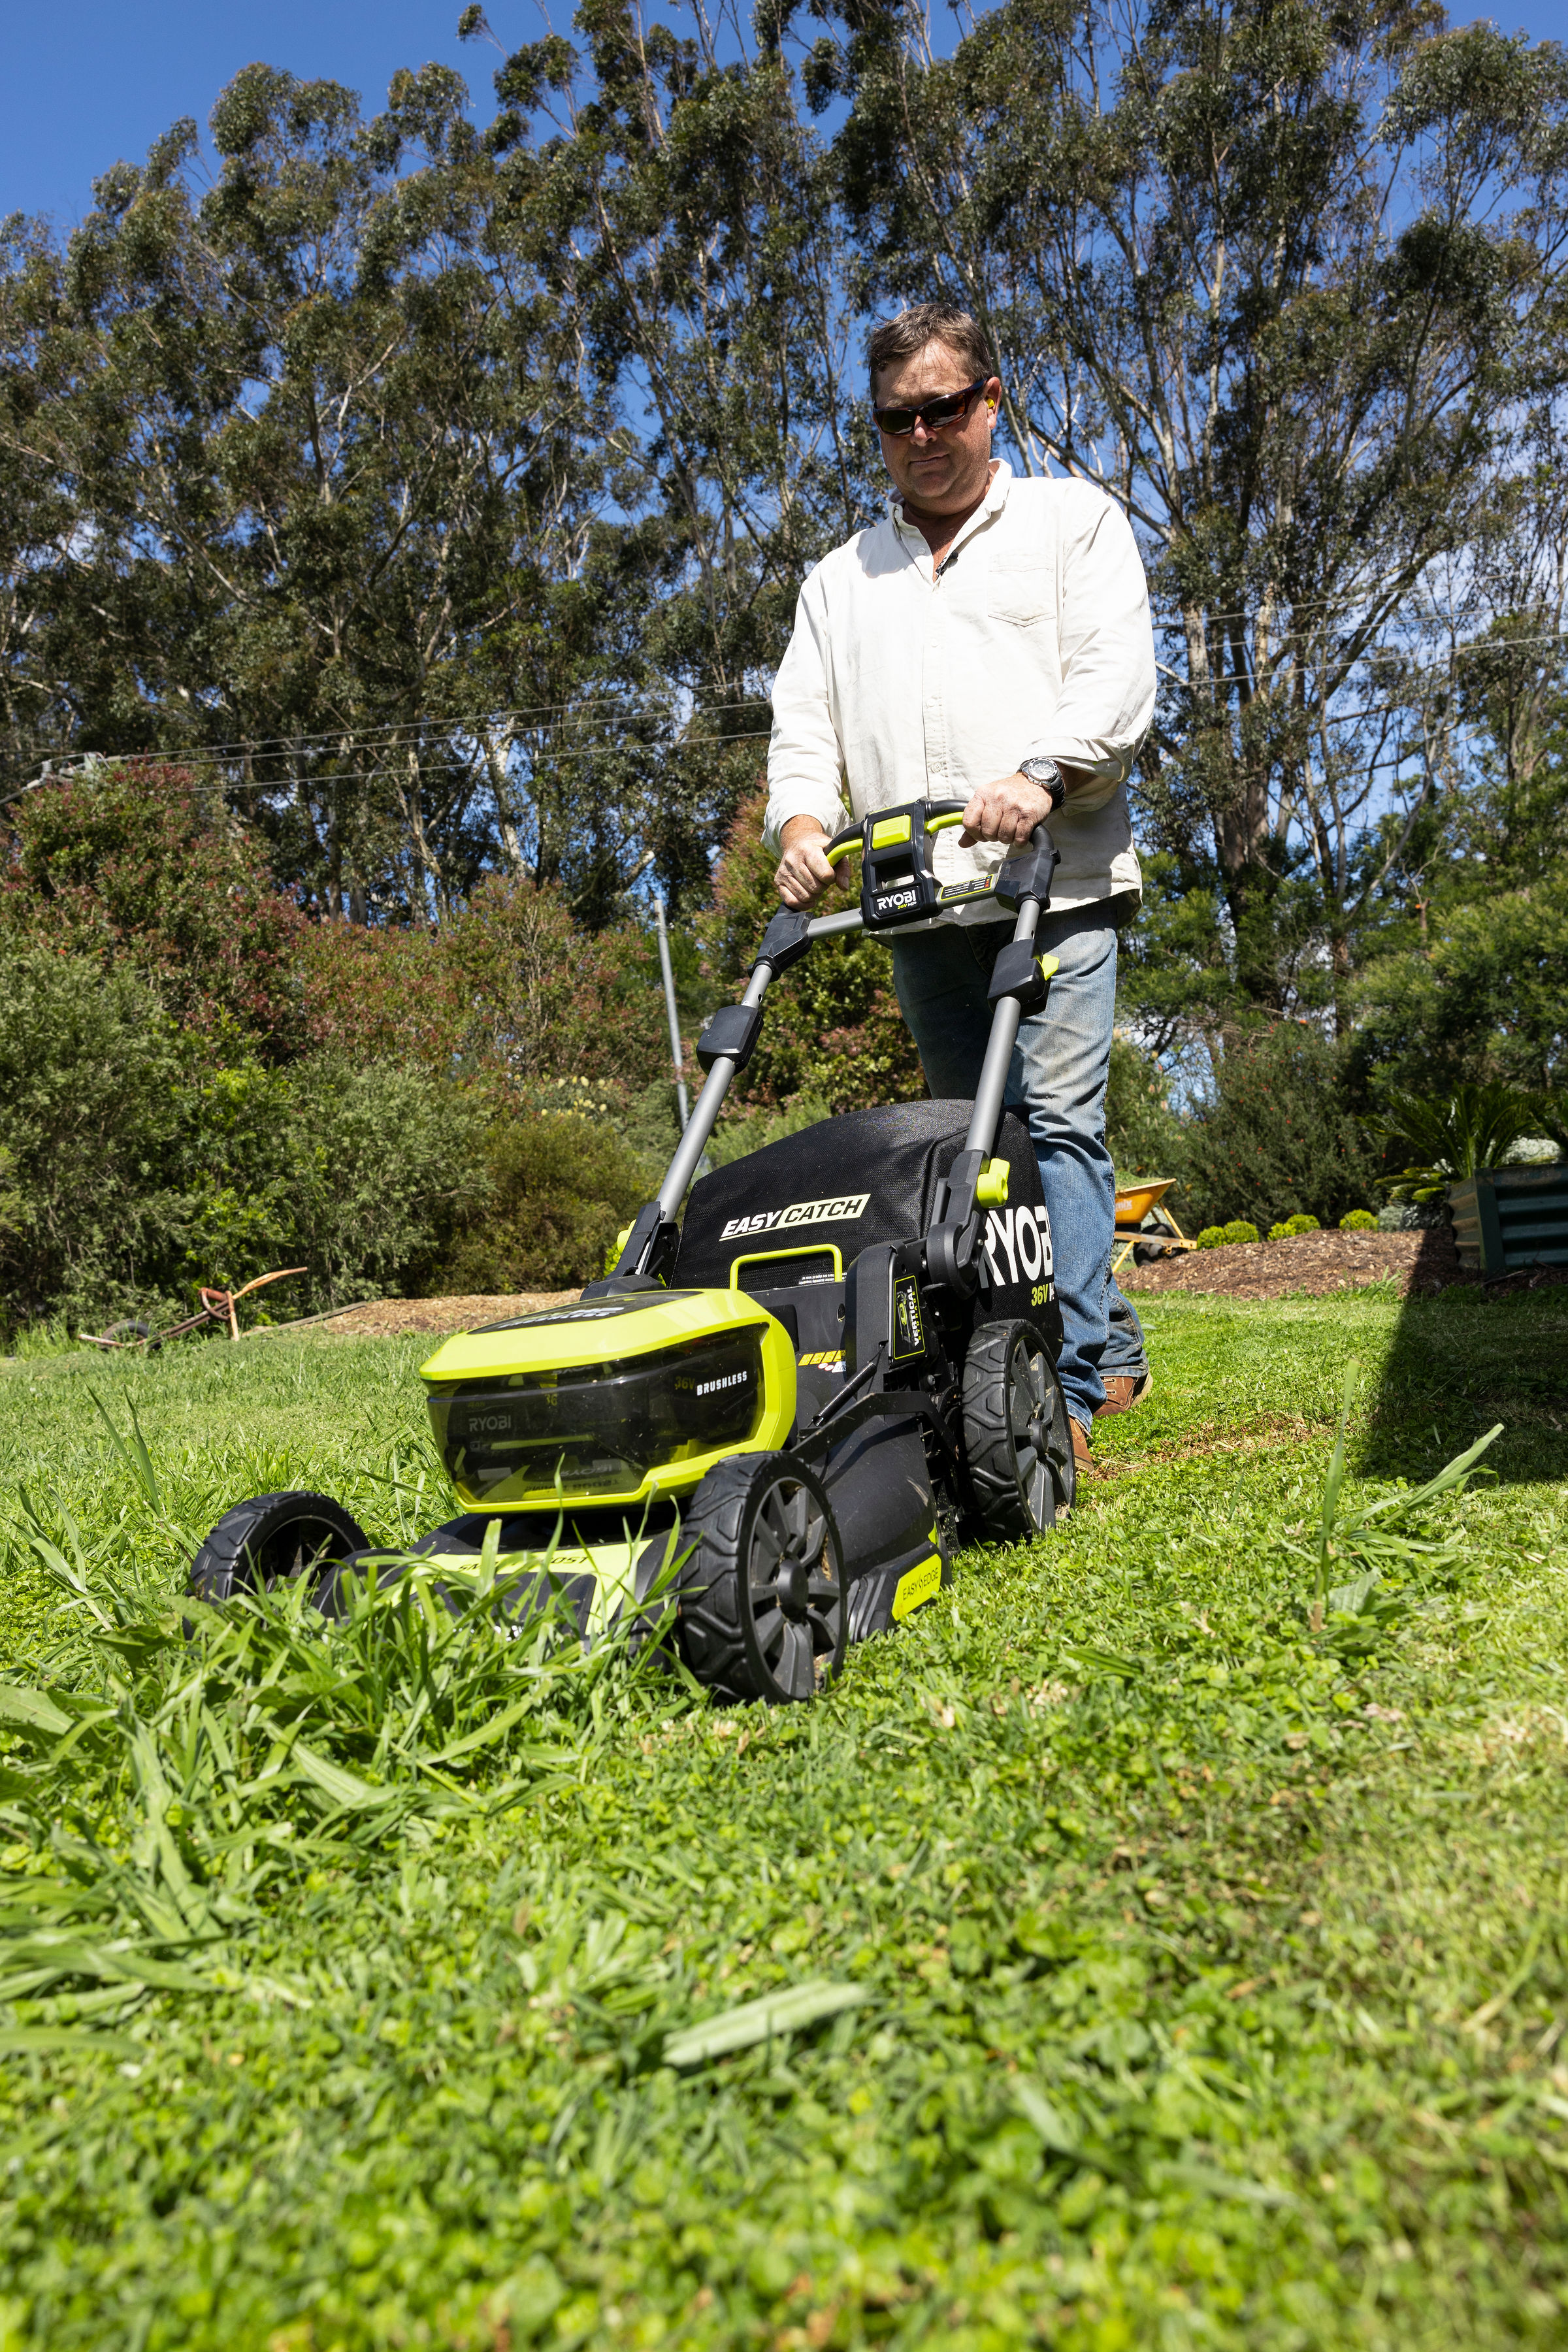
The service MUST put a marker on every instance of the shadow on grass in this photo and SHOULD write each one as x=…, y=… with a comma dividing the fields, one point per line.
x=1461, y=1361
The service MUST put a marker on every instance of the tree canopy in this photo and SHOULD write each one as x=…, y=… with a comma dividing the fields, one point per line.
x=441, y=485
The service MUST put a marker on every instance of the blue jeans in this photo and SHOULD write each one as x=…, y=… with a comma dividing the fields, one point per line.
x=1057, y=1083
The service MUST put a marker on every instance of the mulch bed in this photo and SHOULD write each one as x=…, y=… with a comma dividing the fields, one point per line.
x=1318, y=1263
x=392, y=1318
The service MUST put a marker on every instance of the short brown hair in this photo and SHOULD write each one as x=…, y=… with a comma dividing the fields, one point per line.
x=923, y=324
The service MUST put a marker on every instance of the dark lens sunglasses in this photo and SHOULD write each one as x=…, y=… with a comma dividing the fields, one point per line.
x=946, y=409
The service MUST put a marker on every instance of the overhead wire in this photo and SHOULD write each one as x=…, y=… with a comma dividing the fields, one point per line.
x=438, y=733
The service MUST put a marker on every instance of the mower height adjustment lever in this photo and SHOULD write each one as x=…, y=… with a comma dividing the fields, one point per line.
x=951, y=1245
x=730, y=1035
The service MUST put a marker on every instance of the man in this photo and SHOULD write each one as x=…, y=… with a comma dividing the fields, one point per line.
x=989, y=642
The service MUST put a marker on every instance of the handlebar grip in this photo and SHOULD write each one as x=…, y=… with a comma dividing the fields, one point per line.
x=944, y=824
x=842, y=843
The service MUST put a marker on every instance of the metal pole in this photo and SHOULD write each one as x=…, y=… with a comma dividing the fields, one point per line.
x=669, y=1007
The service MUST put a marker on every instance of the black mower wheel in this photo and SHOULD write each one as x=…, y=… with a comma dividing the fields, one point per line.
x=762, y=1603
x=1016, y=1434
x=271, y=1539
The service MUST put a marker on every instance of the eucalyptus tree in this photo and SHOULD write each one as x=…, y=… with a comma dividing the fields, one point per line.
x=312, y=442
x=697, y=244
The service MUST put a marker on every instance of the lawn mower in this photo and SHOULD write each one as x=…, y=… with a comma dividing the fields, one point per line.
x=767, y=1427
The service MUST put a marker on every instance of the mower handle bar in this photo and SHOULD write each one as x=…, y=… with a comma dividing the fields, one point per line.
x=989, y=1092
x=940, y=817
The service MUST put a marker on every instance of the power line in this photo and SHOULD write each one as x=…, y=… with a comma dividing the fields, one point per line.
x=474, y=723
x=1413, y=670
x=327, y=779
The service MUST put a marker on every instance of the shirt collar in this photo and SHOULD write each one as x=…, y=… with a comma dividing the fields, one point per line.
x=994, y=501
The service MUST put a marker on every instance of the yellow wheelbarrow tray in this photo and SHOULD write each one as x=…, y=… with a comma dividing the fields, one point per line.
x=1141, y=1215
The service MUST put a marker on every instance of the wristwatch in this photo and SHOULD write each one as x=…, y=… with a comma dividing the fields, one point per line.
x=1049, y=777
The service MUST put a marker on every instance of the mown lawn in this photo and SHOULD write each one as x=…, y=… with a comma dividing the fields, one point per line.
x=1214, y=1970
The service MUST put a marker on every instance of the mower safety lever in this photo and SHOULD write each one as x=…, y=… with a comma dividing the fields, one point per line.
x=939, y=817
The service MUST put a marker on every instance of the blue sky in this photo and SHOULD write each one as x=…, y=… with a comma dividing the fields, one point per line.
x=85, y=83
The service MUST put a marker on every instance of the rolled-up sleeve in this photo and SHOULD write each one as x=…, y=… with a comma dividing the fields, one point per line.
x=806, y=758
x=1107, y=642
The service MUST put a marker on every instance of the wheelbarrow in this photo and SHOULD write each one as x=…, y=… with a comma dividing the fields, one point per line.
x=1145, y=1226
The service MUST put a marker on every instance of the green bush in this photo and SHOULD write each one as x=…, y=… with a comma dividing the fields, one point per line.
x=559, y=1189
x=357, y=1173
x=1144, y=1134
x=1442, y=1137
x=751, y=1130
x=133, y=1169
x=1212, y=1237
x=1277, y=1136
x=1359, y=1221
x=90, y=1124
x=1240, y=1229
x=1292, y=1227
x=142, y=868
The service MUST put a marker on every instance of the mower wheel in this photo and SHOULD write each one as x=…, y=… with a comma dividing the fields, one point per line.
x=1016, y=1434
x=761, y=1602
x=271, y=1541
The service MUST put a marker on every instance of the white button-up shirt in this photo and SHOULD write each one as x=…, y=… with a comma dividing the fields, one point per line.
x=1033, y=640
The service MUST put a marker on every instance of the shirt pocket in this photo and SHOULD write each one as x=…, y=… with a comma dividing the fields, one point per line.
x=1022, y=594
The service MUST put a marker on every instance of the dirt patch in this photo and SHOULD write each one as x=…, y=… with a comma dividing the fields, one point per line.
x=392, y=1318
x=1315, y=1263
x=1319, y=1264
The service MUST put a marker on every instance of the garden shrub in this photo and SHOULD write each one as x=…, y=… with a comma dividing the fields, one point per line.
x=1288, y=1231
x=1240, y=1229
x=1358, y=1221
x=357, y=1173
x=508, y=988
x=383, y=1162
x=134, y=1169
x=1212, y=1237
x=1277, y=1138
x=1144, y=1134
x=198, y=1084
x=146, y=868
x=559, y=1189
x=751, y=1130
x=90, y=1125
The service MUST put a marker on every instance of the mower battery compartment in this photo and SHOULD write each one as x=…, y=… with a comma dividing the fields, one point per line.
x=610, y=1400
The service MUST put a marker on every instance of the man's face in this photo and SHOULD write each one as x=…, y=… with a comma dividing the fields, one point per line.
x=945, y=471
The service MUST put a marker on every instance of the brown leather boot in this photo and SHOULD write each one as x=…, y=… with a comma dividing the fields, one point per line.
x=1082, y=1453
x=1123, y=1390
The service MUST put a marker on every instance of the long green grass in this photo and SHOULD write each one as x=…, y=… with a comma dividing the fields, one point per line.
x=1162, y=1940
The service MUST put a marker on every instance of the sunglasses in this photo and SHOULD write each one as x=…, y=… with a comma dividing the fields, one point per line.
x=946, y=409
